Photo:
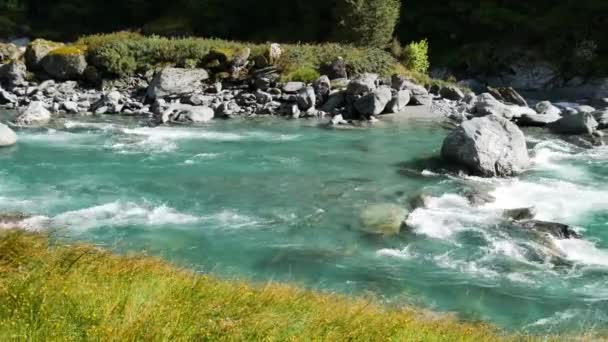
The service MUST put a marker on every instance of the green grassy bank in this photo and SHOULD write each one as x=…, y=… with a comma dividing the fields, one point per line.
x=79, y=292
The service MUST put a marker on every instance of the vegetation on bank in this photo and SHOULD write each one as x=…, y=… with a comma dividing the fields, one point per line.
x=78, y=292
x=464, y=34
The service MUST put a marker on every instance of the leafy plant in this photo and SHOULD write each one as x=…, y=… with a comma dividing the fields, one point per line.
x=366, y=22
x=416, y=56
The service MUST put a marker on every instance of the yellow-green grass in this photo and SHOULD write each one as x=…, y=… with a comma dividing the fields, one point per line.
x=79, y=292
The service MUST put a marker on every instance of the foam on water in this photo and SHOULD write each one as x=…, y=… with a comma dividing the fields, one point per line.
x=121, y=214
x=584, y=252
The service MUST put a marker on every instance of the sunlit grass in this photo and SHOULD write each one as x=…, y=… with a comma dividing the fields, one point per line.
x=84, y=293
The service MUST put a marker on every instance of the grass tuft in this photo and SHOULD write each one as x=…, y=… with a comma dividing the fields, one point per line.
x=79, y=292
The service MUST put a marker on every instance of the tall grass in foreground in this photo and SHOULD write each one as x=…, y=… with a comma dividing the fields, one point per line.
x=83, y=293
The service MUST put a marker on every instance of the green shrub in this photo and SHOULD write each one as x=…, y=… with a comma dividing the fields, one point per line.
x=304, y=74
x=122, y=55
x=366, y=22
x=416, y=56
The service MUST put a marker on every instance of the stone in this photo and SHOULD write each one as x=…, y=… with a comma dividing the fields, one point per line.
x=198, y=99
x=274, y=53
x=399, y=101
x=419, y=95
x=486, y=104
x=451, y=92
x=338, y=120
x=70, y=107
x=263, y=97
x=176, y=81
x=34, y=114
x=293, y=87
x=7, y=97
x=508, y=95
x=9, y=52
x=490, y=146
x=362, y=84
x=374, y=102
x=547, y=113
x=580, y=123
x=37, y=50
x=383, y=219
x=13, y=73
x=546, y=107
x=65, y=63
x=601, y=116
x=336, y=70
x=7, y=136
x=306, y=98
x=187, y=113
x=558, y=230
x=519, y=214
x=322, y=87
x=335, y=101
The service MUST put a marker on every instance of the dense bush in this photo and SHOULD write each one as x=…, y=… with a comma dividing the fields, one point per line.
x=124, y=54
x=416, y=56
x=366, y=22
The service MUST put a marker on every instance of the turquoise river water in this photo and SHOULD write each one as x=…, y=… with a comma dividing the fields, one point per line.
x=276, y=200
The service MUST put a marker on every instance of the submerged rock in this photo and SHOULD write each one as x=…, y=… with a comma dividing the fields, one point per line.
x=34, y=114
x=176, y=81
x=7, y=136
x=490, y=146
x=519, y=214
x=383, y=219
x=558, y=230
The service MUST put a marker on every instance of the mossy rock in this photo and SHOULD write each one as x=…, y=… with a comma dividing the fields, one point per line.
x=37, y=50
x=65, y=63
x=383, y=219
x=304, y=74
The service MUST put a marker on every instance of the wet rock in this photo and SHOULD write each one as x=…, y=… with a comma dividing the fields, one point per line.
x=70, y=107
x=187, y=113
x=176, y=81
x=519, y=214
x=478, y=198
x=7, y=97
x=419, y=201
x=557, y=230
x=383, y=219
x=490, y=146
x=580, y=123
x=547, y=113
x=263, y=97
x=338, y=120
x=374, y=102
x=34, y=114
x=7, y=136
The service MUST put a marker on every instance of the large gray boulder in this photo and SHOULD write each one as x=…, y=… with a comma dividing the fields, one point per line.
x=34, y=114
x=579, y=123
x=176, y=82
x=306, y=98
x=374, y=102
x=37, y=50
x=65, y=63
x=490, y=146
x=7, y=136
x=322, y=89
x=451, y=92
x=335, y=101
x=546, y=113
x=362, y=84
x=486, y=104
x=13, y=73
x=601, y=116
x=293, y=87
x=399, y=101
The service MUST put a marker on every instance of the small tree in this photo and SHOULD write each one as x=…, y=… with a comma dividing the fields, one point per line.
x=416, y=56
x=366, y=22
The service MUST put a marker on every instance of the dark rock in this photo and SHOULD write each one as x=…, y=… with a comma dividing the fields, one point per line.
x=336, y=70
x=601, y=116
x=558, y=230
x=65, y=65
x=519, y=214
x=451, y=92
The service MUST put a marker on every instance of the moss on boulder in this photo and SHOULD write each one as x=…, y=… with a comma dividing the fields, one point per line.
x=37, y=50
x=65, y=63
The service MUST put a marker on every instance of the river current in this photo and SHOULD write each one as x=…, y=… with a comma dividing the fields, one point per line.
x=278, y=200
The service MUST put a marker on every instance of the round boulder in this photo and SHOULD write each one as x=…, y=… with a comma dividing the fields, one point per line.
x=383, y=219
x=65, y=63
x=489, y=146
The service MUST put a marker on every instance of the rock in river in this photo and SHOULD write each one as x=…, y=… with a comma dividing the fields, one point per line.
x=7, y=136
x=34, y=114
x=580, y=123
x=490, y=146
x=383, y=219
